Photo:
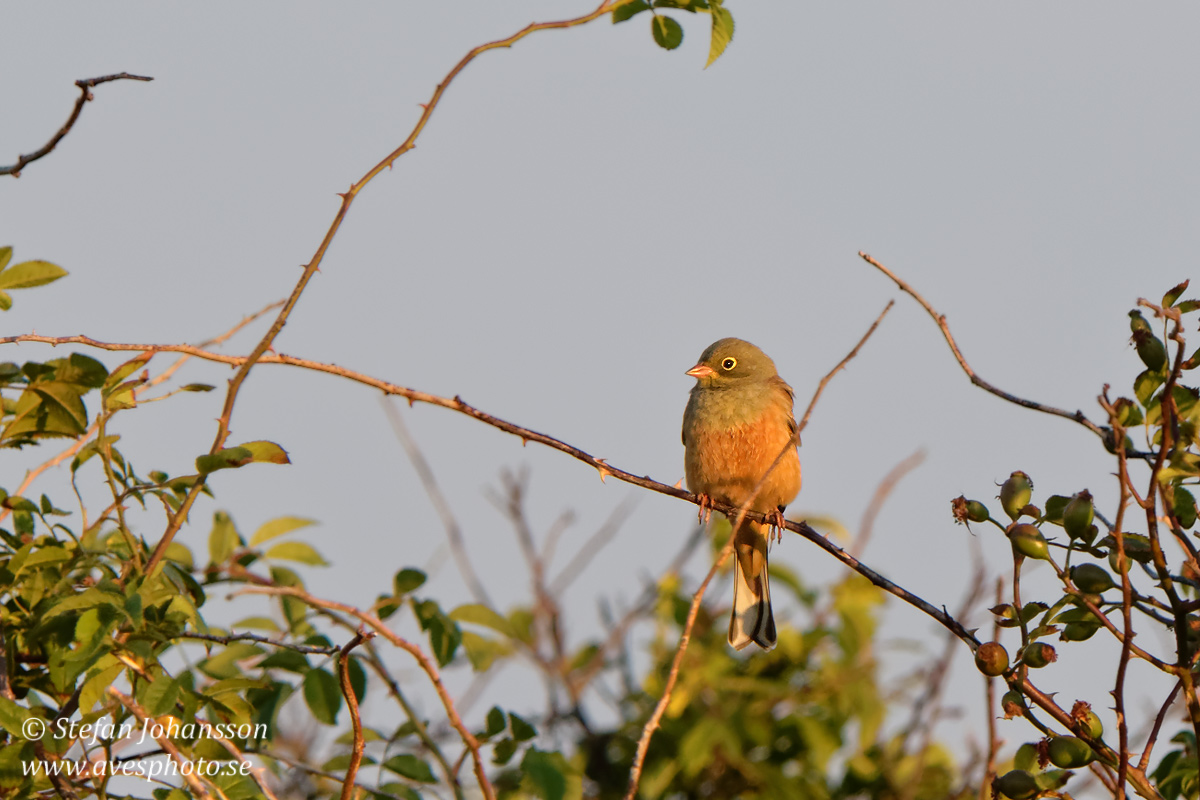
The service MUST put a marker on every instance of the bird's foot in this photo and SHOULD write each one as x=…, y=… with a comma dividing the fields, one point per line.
x=706, y=507
x=776, y=521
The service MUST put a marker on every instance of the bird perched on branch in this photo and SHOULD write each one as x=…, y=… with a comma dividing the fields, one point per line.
x=739, y=423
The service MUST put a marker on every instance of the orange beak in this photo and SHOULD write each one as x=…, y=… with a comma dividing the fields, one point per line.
x=701, y=371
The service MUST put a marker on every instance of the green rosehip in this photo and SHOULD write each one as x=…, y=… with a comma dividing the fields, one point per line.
x=1092, y=578
x=1069, y=752
x=1017, y=785
x=1029, y=541
x=1015, y=493
x=1078, y=515
x=992, y=659
x=1038, y=654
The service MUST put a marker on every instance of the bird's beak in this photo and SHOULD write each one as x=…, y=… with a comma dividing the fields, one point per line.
x=701, y=371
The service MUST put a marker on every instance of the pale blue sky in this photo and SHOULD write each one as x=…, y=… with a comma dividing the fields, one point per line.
x=582, y=216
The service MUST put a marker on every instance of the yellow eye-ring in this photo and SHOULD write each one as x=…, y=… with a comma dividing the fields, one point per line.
x=729, y=363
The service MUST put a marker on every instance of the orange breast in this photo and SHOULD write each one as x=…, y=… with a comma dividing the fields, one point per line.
x=726, y=462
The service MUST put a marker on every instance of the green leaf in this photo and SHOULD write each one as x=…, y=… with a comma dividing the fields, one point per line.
x=278, y=527
x=1170, y=297
x=411, y=767
x=28, y=274
x=228, y=458
x=123, y=371
x=243, y=454
x=67, y=395
x=722, y=32
x=5, y=256
x=522, y=731
x=224, y=538
x=481, y=651
x=159, y=697
x=296, y=551
x=13, y=717
x=667, y=33
x=1145, y=385
x=479, y=614
x=197, y=387
x=267, y=452
x=627, y=10
x=1185, y=507
x=444, y=635
x=323, y=696
x=503, y=751
x=495, y=722
x=545, y=774
x=407, y=580
x=5, y=301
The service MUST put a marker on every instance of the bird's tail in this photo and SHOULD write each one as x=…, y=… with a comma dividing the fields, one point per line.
x=751, y=619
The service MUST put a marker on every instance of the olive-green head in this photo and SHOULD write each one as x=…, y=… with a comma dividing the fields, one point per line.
x=727, y=362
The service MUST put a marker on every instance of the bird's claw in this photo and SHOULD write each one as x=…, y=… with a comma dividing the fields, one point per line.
x=776, y=520
x=705, y=507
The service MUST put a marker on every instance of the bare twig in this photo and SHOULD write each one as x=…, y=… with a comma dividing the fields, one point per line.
x=356, y=750
x=85, y=94
x=595, y=543
x=458, y=546
x=800, y=426
x=426, y=665
x=940, y=319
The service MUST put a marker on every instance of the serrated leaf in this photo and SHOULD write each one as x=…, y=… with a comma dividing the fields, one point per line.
x=123, y=371
x=1145, y=385
x=323, y=696
x=278, y=527
x=722, y=32
x=296, y=551
x=444, y=635
x=503, y=751
x=159, y=697
x=522, y=731
x=407, y=580
x=627, y=10
x=495, y=722
x=667, y=33
x=1170, y=297
x=479, y=614
x=28, y=274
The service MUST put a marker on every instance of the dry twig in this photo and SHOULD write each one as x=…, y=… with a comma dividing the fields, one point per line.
x=85, y=94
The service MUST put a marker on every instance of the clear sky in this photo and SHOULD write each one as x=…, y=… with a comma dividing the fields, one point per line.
x=583, y=215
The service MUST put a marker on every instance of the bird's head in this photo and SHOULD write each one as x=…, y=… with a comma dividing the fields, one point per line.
x=727, y=362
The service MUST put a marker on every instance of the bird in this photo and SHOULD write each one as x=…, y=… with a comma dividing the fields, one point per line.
x=738, y=421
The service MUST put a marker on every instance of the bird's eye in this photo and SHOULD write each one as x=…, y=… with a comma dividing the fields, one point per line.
x=729, y=363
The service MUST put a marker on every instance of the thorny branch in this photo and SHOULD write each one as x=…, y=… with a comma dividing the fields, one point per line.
x=85, y=94
x=310, y=269
x=940, y=319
